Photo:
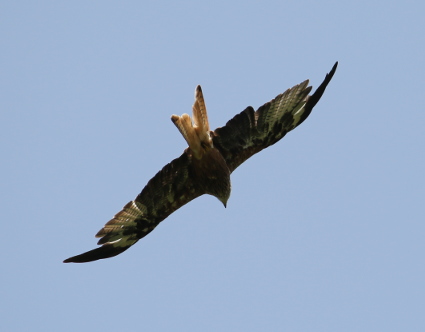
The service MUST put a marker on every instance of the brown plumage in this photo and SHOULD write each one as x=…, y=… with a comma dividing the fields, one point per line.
x=205, y=166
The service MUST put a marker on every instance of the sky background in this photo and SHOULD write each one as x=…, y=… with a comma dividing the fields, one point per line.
x=324, y=231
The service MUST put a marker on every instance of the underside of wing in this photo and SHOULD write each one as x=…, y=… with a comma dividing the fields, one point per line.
x=252, y=131
x=168, y=190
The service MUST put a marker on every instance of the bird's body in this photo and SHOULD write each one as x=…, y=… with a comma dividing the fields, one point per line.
x=205, y=166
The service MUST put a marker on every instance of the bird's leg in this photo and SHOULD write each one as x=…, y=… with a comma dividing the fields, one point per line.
x=200, y=117
x=197, y=135
x=184, y=125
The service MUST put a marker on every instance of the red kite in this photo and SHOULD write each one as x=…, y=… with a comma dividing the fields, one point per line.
x=205, y=166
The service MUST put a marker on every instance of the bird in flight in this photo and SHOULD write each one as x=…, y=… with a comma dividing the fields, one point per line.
x=205, y=166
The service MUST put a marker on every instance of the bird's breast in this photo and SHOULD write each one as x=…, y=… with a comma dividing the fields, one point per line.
x=212, y=174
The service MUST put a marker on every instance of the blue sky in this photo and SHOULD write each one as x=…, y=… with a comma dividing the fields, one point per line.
x=323, y=231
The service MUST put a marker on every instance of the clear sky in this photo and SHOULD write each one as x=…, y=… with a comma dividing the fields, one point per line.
x=323, y=231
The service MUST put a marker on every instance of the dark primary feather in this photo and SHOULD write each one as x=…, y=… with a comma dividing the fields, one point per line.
x=183, y=179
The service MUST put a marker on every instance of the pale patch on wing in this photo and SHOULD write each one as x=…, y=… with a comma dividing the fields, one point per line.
x=120, y=230
x=298, y=114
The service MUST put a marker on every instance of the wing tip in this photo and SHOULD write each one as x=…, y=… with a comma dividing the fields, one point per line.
x=103, y=252
x=312, y=101
x=333, y=70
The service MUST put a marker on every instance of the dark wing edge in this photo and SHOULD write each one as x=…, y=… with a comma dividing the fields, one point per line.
x=171, y=188
x=252, y=131
x=105, y=251
x=315, y=97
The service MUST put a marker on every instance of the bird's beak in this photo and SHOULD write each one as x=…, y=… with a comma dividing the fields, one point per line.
x=224, y=202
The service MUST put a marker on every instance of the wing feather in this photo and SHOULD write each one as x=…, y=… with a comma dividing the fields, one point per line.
x=171, y=188
x=252, y=131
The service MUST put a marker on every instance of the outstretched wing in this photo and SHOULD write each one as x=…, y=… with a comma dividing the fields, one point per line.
x=168, y=190
x=252, y=131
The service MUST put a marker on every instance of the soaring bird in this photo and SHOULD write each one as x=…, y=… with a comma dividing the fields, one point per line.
x=205, y=166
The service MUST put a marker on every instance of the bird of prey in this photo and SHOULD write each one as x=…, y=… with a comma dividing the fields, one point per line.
x=205, y=166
